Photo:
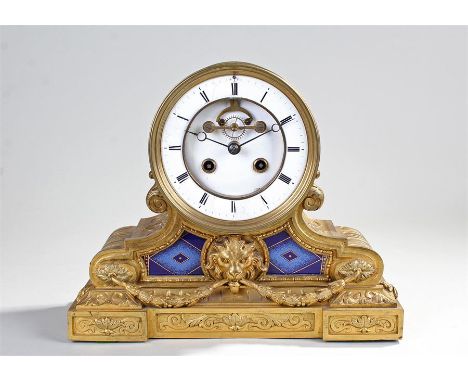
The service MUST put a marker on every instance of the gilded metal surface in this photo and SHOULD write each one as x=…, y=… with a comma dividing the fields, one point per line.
x=365, y=269
x=155, y=201
x=389, y=287
x=242, y=259
x=107, y=326
x=362, y=324
x=170, y=300
x=314, y=199
x=235, y=322
x=345, y=324
x=108, y=271
x=208, y=322
x=235, y=258
x=234, y=106
x=109, y=299
x=355, y=238
x=362, y=297
x=311, y=298
x=235, y=297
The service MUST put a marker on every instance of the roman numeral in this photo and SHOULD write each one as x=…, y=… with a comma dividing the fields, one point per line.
x=185, y=119
x=293, y=149
x=204, y=198
x=263, y=97
x=286, y=120
x=233, y=206
x=182, y=177
x=175, y=147
x=264, y=201
x=284, y=178
x=204, y=96
x=234, y=88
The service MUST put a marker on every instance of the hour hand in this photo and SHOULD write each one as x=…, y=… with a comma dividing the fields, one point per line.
x=201, y=136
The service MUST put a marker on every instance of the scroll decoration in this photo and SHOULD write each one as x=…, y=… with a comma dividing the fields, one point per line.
x=239, y=260
x=354, y=271
x=106, y=272
x=282, y=297
x=170, y=300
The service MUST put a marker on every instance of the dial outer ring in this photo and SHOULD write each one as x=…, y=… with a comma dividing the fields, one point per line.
x=207, y=223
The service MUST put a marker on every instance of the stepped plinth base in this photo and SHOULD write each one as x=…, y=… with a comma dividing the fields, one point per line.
x=112, y=315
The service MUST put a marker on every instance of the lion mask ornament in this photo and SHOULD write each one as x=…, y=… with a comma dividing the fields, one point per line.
x=235, y=258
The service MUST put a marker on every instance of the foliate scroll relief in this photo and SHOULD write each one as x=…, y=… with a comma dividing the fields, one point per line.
x=98, y=297
x=363, y=297
x=170, y=300
x=352, y=272
x=287, y=298
x=108, y=271
x=365, y=269
x=363, y=324
x=108, y=326
x=236, y=322
x=389, y=287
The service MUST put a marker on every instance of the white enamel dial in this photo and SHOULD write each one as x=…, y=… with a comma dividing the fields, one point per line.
x=234, y=147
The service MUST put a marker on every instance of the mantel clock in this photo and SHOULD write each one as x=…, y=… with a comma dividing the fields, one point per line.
x=233, y=249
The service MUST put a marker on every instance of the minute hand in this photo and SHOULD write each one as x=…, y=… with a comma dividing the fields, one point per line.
x=258, y=136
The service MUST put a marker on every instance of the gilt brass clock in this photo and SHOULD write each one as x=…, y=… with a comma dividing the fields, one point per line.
x=233, y=249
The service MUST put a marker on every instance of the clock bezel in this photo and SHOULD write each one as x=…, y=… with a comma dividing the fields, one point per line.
x=200, y=221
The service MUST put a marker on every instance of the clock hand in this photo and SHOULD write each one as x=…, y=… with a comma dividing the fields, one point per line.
x=258, y=136
x=202, y=136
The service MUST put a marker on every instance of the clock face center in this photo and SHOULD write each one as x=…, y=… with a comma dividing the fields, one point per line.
x=234, y=133
x=234, y=148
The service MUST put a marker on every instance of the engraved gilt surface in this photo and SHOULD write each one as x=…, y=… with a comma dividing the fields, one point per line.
x=169, y=300
x=116, y=239
x=99, y=297
x=366, y=269
x=364, y=297
x=108, y=326
x=122, y=272
x=362, y=324
x=355, y=238
x=236, y=322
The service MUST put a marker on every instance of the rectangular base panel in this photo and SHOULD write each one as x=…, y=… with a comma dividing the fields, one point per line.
x=331, y=324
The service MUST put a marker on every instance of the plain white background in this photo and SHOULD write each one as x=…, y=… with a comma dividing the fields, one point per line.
x=77, y=104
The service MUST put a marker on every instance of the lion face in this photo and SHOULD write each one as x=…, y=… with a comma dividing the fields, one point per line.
x=234, y=258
